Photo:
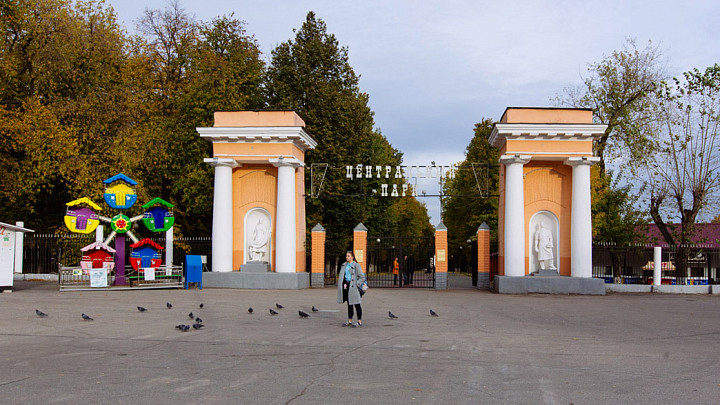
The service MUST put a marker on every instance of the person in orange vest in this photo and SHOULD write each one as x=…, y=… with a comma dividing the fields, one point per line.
x=396, y=269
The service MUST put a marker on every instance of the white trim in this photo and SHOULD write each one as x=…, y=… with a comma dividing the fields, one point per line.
x=14, y=228
x=296, y=135
x=566, y=132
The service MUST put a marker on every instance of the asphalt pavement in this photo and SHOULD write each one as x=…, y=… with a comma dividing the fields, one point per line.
x=483, y=348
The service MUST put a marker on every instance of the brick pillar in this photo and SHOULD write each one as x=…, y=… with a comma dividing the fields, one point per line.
x=483, y=255
x=441, y=256
x=317, y=256
x=360, y=245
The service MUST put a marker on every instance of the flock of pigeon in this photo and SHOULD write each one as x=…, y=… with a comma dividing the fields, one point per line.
x=198, y=323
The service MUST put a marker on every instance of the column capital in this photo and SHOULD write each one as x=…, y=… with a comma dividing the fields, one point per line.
x=510, y=159
x=215, y=162
x=284, y=161
x=584, y=160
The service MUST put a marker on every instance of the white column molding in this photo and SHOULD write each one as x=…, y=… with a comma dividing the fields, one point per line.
x=657, y=265
x=285, y=221
x=514, y=223
x=581, y=219
x=222, y=235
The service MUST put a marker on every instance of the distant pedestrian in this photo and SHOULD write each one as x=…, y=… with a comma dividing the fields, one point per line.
x=408, y=269
x=350, y=278
x=396, y=270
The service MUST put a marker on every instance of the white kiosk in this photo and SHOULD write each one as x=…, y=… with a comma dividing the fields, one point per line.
x=11, y=245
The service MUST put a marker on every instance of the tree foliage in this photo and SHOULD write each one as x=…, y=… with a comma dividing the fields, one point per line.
x=311, y=74
x=465, y=212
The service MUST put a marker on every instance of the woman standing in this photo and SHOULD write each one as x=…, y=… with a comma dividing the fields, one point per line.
x=350, y=278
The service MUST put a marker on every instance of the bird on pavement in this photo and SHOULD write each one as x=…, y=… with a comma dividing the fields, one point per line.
x=141, y=309
x=433, y=313
x=40, y=313
x=202, y=305
x=303, y=314
x=273, y=312
x=169, y=305
x=198, y=326
x=279, y=306
x=87, y=318
x=314, y=309
x=183, y=328
x=250, y=310
x=198, y=320
x=191, y=316
x=391, y=315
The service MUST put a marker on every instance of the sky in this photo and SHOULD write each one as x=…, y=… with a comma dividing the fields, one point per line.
x=433, y=69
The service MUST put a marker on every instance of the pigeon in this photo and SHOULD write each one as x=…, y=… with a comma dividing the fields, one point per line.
x=191, y=316
x=169, y=305
x=433, y=313
x=303, y=314
x=198, y=320
x=141, y=309
x=314, y=309
x=87, y=318
x=250, y=310
x=391, y=315
x=198, y=326
x=273, y=312
x=40, y=313
x=183, y=328
x=202, y=305
x=279, y=306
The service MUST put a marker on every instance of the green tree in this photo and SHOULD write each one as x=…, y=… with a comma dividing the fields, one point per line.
x=187, y=70
x=311, y=75
x=465, y=209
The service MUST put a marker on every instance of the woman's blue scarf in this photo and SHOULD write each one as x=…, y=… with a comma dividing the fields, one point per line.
x=348, y=271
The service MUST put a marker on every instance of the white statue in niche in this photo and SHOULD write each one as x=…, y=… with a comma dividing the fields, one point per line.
x=258, y=243
x=544, y=247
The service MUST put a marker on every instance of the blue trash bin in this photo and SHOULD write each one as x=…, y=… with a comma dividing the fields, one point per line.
x=193, y=270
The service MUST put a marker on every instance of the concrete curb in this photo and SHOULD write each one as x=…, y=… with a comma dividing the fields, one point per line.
x=35, y=277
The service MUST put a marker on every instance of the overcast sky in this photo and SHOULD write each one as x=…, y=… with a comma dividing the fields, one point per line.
x=433, y=69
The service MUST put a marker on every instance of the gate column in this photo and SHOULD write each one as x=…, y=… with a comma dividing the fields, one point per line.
x=317, y=256
x=360, y=245
x=441, y=264
x=483, y=255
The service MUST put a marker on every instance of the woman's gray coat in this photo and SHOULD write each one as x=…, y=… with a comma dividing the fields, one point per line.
x=357, y=278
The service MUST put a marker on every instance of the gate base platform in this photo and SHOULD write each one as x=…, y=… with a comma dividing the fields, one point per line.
x=549, y=285
x=256, y=281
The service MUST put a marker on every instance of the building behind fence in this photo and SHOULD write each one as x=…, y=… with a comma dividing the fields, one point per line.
x=634, y=264
x=43, y=253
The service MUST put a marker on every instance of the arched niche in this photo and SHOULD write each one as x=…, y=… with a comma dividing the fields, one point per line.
x=544, y=226
x=258, y=236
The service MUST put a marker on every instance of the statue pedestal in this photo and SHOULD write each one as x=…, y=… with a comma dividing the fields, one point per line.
x=255, y=267
x=545, y=273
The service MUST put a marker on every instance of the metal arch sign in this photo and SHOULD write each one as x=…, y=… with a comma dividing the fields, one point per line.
x=399, y=180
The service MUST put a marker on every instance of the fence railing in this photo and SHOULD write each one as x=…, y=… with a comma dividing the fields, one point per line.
x=43, y=253
x=680, y=265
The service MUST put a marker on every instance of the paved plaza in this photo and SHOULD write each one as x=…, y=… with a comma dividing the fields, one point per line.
x=483, y=348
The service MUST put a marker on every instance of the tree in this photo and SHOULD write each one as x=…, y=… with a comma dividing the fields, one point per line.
x=465, y=211
x=684, y=173
x=186, y=70
x=311, y=75
x=621, y=91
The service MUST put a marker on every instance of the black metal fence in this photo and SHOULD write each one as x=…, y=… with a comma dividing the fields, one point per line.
x=415, y=259
x=681, y=265
x=42, y=253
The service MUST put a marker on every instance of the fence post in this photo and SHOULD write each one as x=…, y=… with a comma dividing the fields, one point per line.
x=169, y=242
x=657, y=265
x=19, y=239
x=317, y=256
x=441, y=264
x=483, y=255
x=360, y=245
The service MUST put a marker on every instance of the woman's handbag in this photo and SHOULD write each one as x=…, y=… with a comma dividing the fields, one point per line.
x=362, y=289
